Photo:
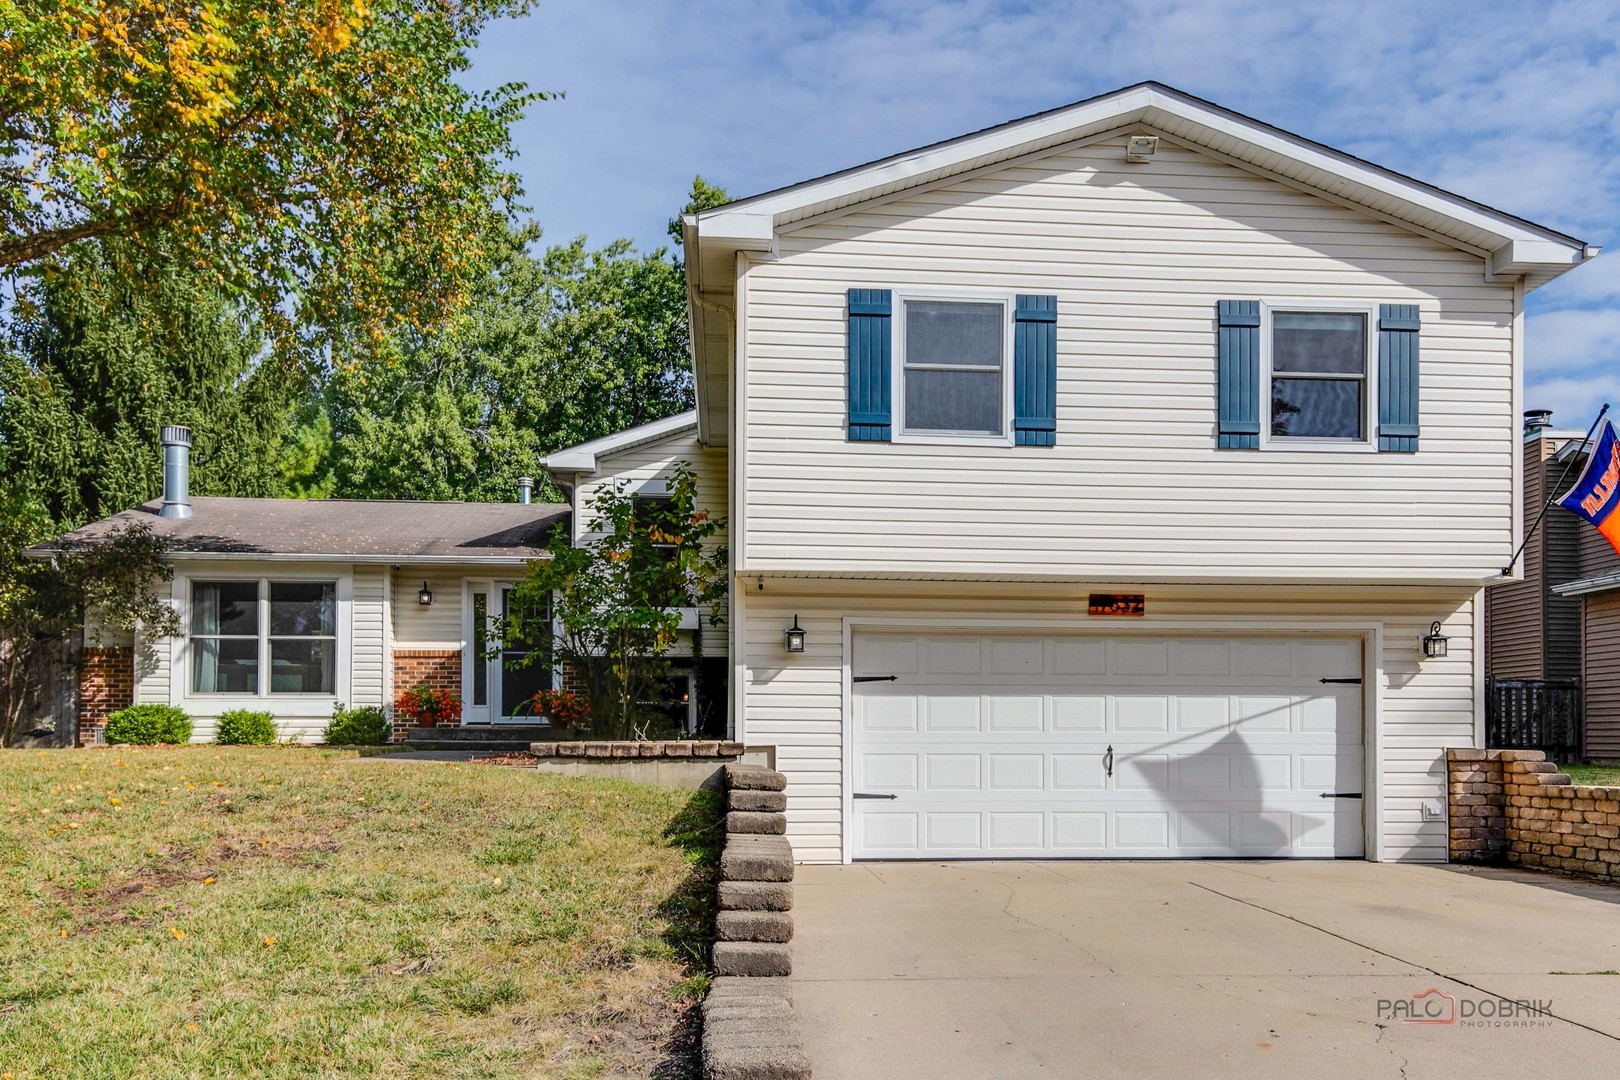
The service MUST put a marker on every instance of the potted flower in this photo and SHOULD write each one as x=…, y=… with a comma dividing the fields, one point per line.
x=426, y=705
x=563, y=708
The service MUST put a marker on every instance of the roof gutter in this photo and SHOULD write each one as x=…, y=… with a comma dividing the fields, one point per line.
x=1601, y=583
x=287, y=556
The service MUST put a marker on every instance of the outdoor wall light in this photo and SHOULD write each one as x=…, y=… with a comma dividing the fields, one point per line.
x=793, y=637
x=425, y=597
x=1435, y=644
x=1139, y=149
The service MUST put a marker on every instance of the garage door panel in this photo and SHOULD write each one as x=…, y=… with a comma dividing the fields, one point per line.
x=1078, y=772
x=1071, y=713
x=888, y=772
x=1140, y=657
x=1226, y=753
x=1147, y=713
x=1009, y=713
x=1203, y=714
x=1079, y=656
x=887, y=655
x=951, y=656
x=952, y=713
x=953, y=772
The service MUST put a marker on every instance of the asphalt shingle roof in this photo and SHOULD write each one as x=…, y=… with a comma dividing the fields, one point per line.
x=339, y=528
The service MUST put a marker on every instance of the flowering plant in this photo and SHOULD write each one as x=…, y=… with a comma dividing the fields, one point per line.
x=429, y=705
x=564, y=708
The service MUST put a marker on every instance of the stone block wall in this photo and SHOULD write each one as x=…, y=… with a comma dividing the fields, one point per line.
x=106, y=684
x=439, y=668
x=1517, y=808
x=749, y=1029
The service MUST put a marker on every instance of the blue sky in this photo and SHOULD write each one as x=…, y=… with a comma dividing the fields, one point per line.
x=1516, y=104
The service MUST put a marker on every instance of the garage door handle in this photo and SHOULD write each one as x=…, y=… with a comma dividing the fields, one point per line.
x=1347, y=682
x=1341, y=795
x=1108, y=761
x=872, y=795
x=873, y=678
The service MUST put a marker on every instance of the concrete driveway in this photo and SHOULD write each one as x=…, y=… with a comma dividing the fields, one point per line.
x=1200, y=969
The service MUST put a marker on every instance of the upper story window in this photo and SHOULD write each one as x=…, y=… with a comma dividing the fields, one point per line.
x=1319, y=375
x=260, y=637
x=953, y=368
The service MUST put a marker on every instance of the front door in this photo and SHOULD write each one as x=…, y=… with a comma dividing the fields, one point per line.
x=500, y=678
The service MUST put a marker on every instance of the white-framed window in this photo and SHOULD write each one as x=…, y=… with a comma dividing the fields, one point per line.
x=1319, y=363
x=952, y=374
x=263, y=637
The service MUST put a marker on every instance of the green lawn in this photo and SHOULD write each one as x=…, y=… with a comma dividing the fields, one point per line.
x=1595, y=775
x=290, y=912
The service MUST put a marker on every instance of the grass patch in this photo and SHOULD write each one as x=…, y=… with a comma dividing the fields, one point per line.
x=290, y=912
x=1593, y=775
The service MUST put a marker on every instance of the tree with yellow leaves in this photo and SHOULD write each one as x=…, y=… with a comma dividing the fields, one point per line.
x=314, y=158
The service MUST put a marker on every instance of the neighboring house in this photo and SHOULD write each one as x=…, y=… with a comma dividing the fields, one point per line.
x=292, y=606
x=1561, y=623
x=1114, y=464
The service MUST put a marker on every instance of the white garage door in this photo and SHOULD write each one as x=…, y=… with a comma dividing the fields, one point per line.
x=995, y=745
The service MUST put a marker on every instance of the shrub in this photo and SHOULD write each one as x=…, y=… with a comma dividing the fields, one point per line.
x=243, y=727
x=146, y=724
x=358, y=727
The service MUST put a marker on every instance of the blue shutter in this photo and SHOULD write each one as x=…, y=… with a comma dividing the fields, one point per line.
x=1398, y=377
x=1035, y=371
x=1239, y=374
x=869, y=369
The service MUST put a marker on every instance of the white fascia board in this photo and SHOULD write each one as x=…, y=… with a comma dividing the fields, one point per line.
x=584, y=457
x=1601, y=583
x=338, y=557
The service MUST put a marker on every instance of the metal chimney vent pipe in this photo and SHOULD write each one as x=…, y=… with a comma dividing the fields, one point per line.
x=176, y=442
x=1536, y=419
x=525, y=489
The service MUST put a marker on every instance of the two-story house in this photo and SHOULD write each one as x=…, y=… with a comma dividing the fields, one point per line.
x=1124, y=480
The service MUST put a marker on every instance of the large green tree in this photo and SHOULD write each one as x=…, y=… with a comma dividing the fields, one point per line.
x=553, y=349
x=93, y=363
x=315, y=157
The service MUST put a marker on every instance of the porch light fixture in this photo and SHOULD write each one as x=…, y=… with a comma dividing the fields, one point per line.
x=793, y=637
x=1435, y=644
x=425, y=597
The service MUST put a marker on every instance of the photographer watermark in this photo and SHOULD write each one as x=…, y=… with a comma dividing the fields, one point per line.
x=1435, y=1006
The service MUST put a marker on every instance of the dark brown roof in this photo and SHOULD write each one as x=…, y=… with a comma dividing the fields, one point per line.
x=339, y=529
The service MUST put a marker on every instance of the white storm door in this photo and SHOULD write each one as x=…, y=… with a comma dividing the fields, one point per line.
x=1129, y=746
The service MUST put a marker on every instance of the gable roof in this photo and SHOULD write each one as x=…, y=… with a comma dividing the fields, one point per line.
x=347, y=530
x=583, y=458
x=1511, y=246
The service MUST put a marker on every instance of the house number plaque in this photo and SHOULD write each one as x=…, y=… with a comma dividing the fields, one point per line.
x=1115, y=604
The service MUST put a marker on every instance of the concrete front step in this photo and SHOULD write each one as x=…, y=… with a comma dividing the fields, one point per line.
x=481, y=737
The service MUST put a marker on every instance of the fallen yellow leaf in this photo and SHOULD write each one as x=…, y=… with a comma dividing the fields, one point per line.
x=208, y=881
x=179, y=934
x=269, y=941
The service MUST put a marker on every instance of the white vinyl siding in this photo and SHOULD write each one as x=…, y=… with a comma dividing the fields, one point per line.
x=370, y=651
x=647, y=468
x=795, y=703
x=437, y=625
x=1138, y=257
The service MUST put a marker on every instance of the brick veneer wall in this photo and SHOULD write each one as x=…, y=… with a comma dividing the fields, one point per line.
x=1514, y=806
x=439, y=668
x=106, y=684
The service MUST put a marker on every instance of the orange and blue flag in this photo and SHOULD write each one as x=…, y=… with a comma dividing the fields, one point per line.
x=1596, y=495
